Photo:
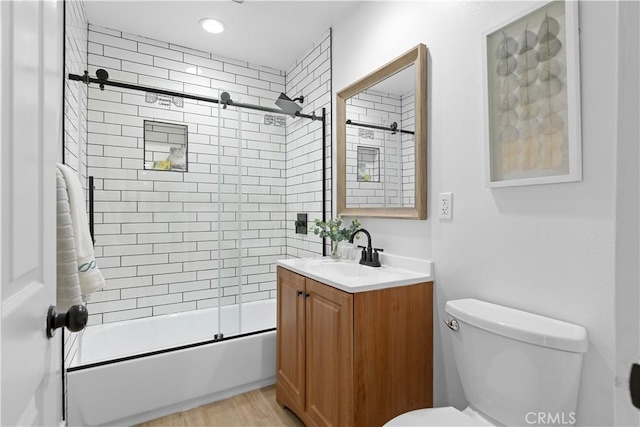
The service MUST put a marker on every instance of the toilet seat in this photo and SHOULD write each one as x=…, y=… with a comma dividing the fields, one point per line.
x=441, y=417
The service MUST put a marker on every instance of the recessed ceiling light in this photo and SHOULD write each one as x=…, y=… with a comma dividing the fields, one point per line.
x=212, y=25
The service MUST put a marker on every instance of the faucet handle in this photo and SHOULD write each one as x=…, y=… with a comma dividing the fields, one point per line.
x=378, y=249
x=375, y=260
x=363, y=255
x=362, y=247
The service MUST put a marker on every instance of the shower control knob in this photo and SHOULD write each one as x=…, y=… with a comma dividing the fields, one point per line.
x=74, y=320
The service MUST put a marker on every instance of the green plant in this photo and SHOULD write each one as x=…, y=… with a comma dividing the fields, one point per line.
x=333, y=229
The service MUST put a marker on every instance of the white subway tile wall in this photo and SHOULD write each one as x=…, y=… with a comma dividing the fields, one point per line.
x=309, y=76
x=75, y=95
x=75, y=124
x=168, y=241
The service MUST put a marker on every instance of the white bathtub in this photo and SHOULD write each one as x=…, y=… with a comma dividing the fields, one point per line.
x=135, y=389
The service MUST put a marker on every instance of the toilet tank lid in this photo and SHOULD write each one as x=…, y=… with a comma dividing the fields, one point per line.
x=520, y=325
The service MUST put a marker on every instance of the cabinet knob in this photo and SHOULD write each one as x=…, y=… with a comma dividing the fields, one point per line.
x=307, y=295
x=298, y=293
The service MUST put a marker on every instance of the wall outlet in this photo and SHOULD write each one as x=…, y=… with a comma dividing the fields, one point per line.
x=445, y=205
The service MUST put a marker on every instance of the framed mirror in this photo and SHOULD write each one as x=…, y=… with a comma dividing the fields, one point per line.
x=382, y=141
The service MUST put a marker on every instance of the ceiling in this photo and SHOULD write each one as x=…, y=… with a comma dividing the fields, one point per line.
x=269, y=33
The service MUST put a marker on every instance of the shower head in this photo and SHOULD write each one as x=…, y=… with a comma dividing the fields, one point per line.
x=288, y=105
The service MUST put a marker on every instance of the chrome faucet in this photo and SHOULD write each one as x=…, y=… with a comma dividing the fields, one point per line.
x=369, y=254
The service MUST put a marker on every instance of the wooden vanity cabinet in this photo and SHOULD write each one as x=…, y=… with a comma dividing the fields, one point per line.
x=352, y=359
x=290, y=352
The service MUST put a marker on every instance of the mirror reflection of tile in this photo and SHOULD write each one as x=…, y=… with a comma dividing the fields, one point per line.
x=387, y=158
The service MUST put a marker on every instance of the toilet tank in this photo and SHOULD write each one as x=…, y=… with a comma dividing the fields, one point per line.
x=516, y=367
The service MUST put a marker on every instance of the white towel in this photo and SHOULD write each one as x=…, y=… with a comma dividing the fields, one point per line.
x=89, y=275
x=68, y=292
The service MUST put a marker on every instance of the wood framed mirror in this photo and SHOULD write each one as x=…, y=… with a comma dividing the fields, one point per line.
x=382, y=141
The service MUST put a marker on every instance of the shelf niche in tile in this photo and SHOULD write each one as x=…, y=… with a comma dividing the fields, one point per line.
x=368, y=164
x=165, y=146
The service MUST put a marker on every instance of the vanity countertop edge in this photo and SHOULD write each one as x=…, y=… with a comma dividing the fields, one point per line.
x=405, y=277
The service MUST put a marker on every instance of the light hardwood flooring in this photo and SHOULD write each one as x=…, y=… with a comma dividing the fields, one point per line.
x=256, y=408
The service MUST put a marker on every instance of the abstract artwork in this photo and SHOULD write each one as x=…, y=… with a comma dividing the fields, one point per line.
x=533, y=98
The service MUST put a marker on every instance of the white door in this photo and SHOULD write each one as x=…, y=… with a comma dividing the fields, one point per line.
x=30, y=128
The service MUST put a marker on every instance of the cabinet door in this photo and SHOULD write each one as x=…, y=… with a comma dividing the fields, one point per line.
x=329, y=320
x=290, y=363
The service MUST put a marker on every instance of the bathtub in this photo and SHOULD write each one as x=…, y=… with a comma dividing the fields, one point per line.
x=137, y=370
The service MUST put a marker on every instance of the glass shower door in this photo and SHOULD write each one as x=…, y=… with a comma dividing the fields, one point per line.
x=392, y=168
x=251, y=218
x=230, y=205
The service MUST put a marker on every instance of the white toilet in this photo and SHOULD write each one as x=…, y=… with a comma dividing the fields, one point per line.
x=516, y=368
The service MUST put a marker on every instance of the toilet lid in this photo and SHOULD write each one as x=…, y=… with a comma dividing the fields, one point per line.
x=448, y=416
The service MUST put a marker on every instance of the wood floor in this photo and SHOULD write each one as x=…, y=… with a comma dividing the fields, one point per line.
x=256, y=408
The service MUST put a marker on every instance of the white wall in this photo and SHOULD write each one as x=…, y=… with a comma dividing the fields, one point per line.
x=627, y=212
x=548, y=249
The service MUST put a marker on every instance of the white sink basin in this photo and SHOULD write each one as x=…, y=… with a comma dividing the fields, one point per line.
x=351, y=276
x=348, y=269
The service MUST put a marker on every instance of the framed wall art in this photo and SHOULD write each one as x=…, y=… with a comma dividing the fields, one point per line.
x=532, y=98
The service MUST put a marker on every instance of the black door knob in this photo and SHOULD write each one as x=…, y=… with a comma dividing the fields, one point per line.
x=634, y=385
x=74, y=320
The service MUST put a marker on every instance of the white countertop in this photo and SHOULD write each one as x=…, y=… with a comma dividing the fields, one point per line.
x=352, y=277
